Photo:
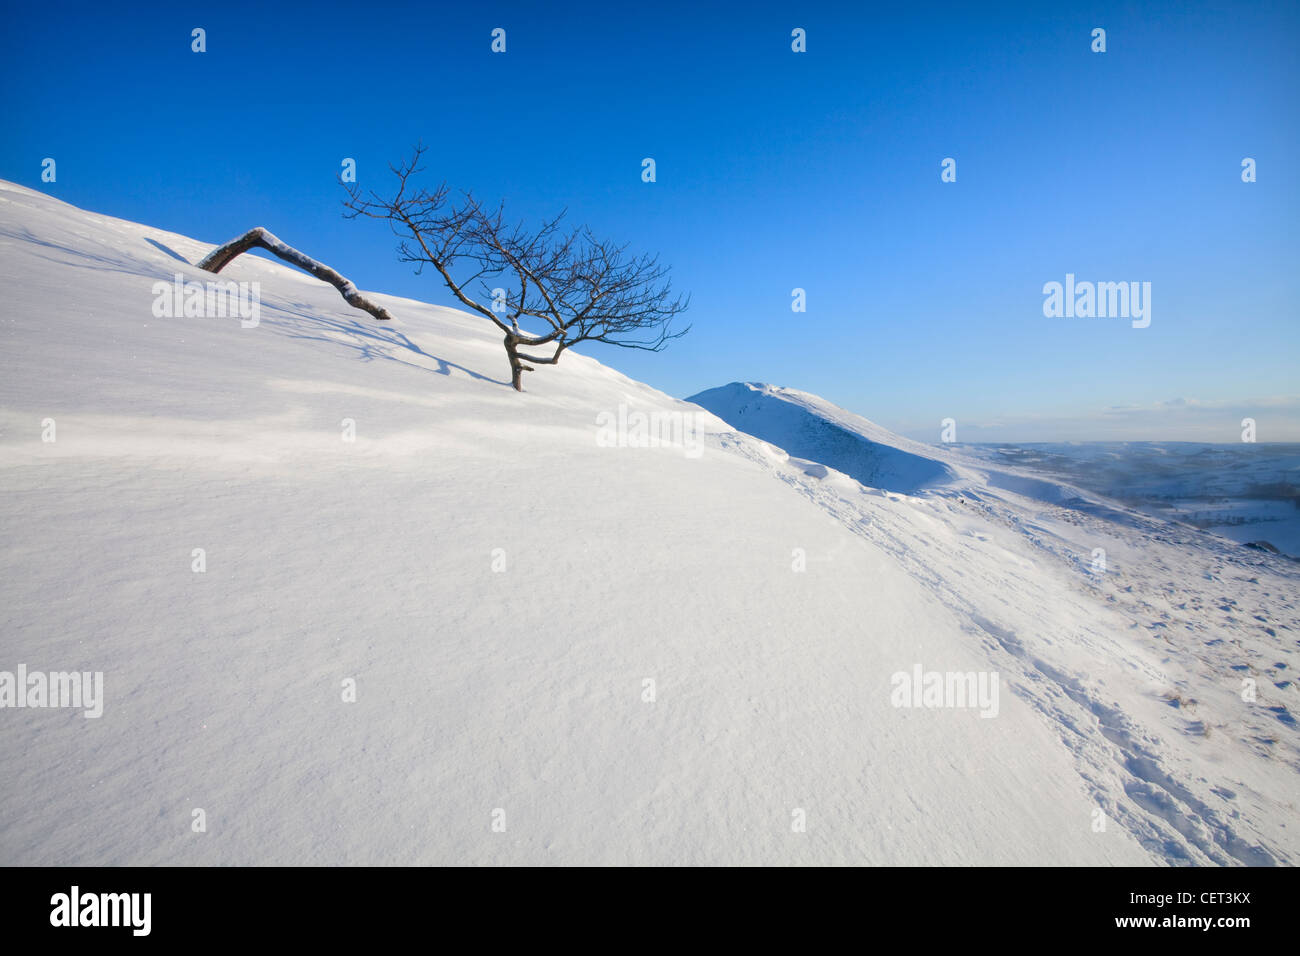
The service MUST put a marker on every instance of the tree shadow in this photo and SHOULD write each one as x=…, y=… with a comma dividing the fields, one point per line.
x=171, y=252
x=369, y=342
x=105, y=263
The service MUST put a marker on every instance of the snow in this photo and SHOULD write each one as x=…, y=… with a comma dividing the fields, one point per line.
x=1245, y=491
x=806, y=425
x=500, y=584
x=1140, y=666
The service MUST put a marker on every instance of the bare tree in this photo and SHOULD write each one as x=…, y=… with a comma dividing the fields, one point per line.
x=576, y=287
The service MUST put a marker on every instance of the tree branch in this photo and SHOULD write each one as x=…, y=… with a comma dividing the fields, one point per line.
x=583, y=288
x=220, y=257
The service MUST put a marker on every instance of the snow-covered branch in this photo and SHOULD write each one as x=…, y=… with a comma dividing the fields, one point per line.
x=258, y=237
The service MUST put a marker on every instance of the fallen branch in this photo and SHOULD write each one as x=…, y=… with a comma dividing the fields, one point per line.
x=259, y=238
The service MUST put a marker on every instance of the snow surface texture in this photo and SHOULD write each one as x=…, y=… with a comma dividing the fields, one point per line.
x=501, y=583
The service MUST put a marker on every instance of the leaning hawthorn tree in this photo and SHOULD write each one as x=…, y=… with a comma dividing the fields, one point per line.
x=567, y=283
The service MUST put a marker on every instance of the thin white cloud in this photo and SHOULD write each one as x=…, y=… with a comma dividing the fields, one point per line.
x=1276, y=417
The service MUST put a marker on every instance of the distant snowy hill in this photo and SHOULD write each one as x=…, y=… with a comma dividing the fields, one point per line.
x=354, y=600
x=810, y=427
x=1249, y=492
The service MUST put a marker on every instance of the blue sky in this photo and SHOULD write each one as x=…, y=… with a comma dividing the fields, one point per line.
x=775, y=170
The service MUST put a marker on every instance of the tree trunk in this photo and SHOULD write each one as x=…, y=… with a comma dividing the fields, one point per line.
x=517, y=367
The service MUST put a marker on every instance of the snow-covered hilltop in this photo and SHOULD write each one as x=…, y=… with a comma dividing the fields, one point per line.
x=355, y=600
x=811, y=428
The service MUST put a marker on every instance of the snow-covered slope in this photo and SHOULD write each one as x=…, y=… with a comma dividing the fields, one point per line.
x=1160, y=651
x=500, y=582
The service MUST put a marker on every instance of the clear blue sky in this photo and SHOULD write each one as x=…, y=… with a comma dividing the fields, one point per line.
x=776, y=170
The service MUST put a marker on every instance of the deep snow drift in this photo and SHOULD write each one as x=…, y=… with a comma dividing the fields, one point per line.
x=564, y=647
x=810, y=428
